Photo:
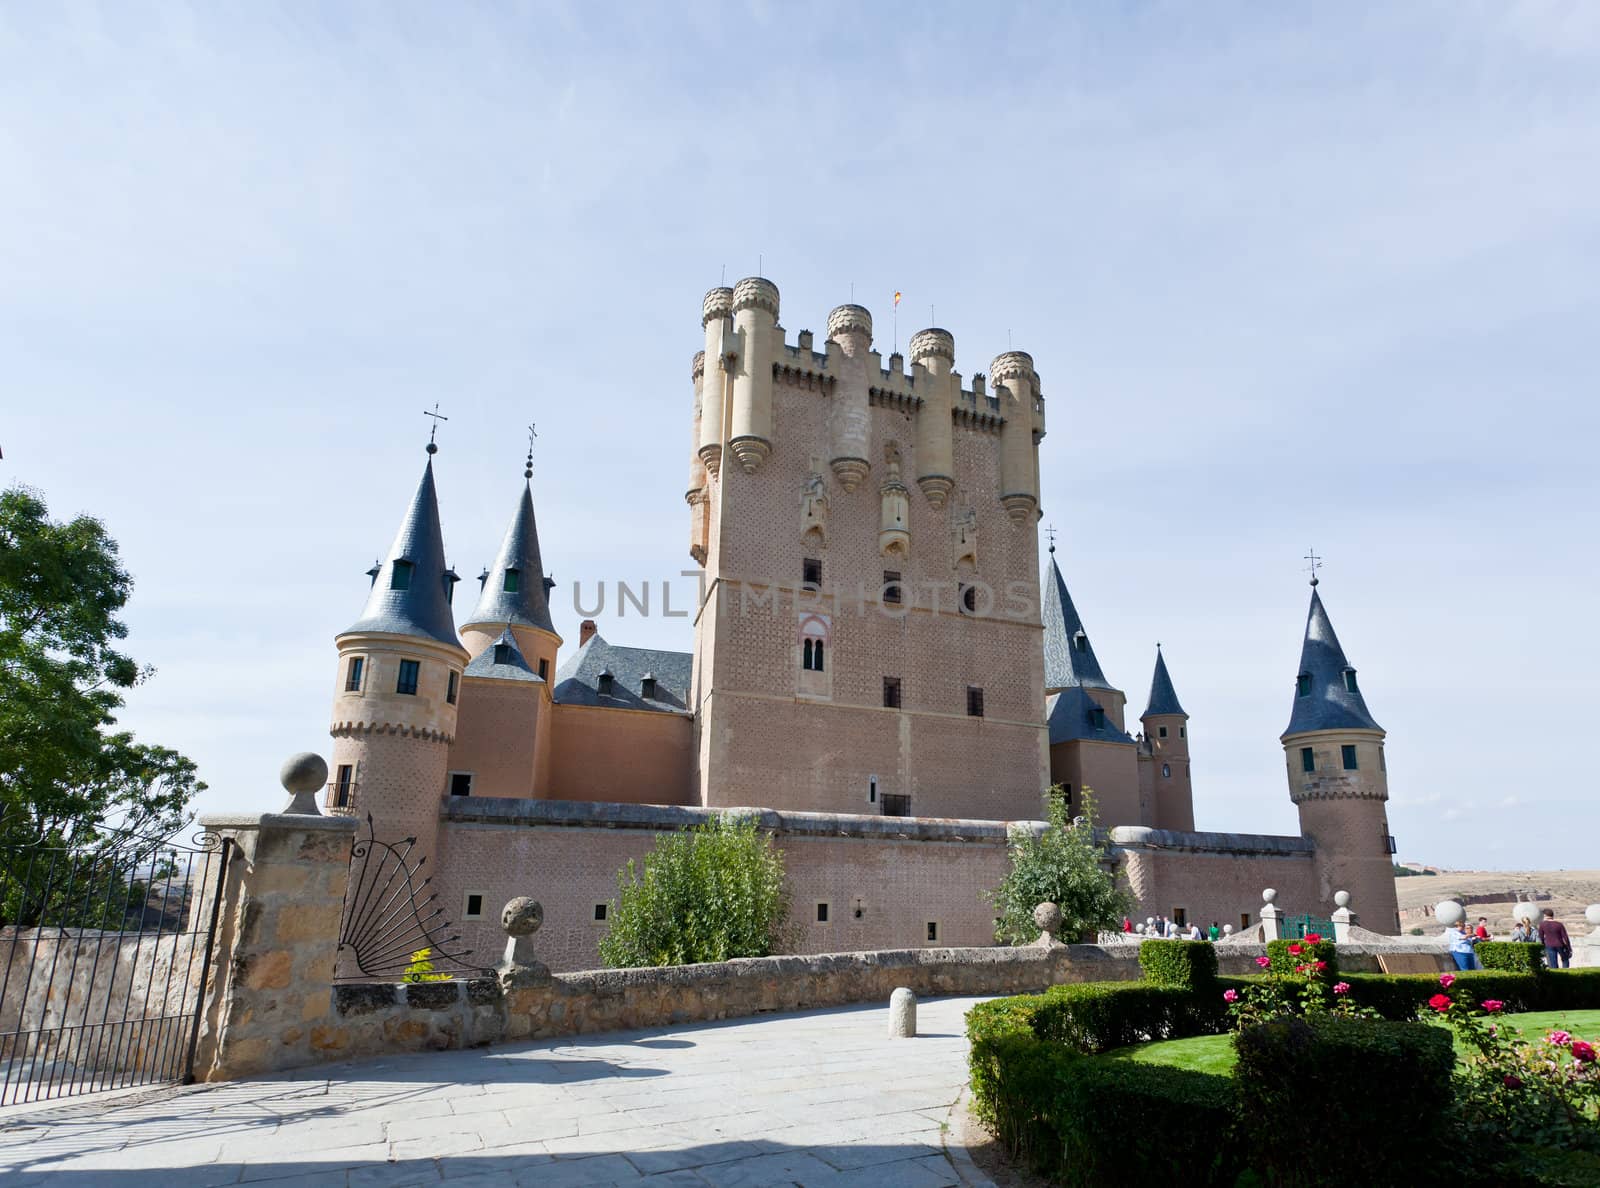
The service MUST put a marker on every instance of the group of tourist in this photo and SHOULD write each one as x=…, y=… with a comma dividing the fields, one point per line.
x=1550, y=932
x=1162, y=926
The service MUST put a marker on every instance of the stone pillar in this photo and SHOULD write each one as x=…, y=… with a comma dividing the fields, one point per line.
x=902, y=1013
x=1343, y=918
x=1271, y=917
x=269, y=1004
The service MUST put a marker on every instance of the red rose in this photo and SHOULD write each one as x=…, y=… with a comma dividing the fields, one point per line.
x=1582, y=1051
x=1513, y=1082
x=1440, y=1002
x=1294, y=950
x=1313, y=938
x=1322, y=965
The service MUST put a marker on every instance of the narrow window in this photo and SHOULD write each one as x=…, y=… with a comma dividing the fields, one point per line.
x=513, y=579
x=400, y=576
x=341, y=786
x=891, y=587
x=974, y=702
x=647, y=688
x=1308, y=759
x=607, y=684
x=1383, y=764
x=453, y=687
x=1180, y=917
x=1166, y=771
x=1183, y=732
x=544, y=670
x=872, y=789
x=1302, y=686
x=822, y=913
x=601, y=911
x=352, y=682
x=407, y=681
x=891, y=692
x=460, y=783
x=811, y=573
x=1244, y=921
x=1350, y=681
x=1348, y=754
x=1161, y=731
x=474, y=907
x=933, y=930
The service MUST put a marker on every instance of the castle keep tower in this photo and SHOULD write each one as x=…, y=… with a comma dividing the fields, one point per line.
x=1166, y=736
x=868, y=639
x=399, y=681
x=1337, y=777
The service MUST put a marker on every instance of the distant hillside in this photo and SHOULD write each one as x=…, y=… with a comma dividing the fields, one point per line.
x=1493, y=893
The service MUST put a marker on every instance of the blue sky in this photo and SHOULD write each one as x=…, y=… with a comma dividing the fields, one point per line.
x=1293, y=275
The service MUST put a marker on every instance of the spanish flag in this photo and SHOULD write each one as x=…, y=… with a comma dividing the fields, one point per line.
x=897, y=297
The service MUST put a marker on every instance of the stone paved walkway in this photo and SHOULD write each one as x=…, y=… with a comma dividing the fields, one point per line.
x=820, y=1098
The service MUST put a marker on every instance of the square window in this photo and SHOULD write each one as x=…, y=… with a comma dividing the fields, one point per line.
x=892, y=589
x=822, y=913
x=1161, y=732
x=460, y=783
x=352, y=681
x=474, y=906
x=407, y=680
x=1348, y=754
x=891, y=692
x=1180, y=917
x=342, y=784
x=811, y=573
x=933, y=931
x=647, y=688
x=974, y=702
x=452, y=688
x=893, y=804
x=1308, y=759
x=601, y=912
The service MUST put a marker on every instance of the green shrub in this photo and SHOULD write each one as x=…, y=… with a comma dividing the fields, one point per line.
x=1094, y=1017
x=1569, y=990
x=1400, y=997
x=1515, y=956
x=1381, y=1088
x=1066, y=866
x=709, y=893
x=1190, y=964
x=1284, y=961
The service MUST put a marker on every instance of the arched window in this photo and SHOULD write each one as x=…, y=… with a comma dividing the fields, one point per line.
x=1166, y=771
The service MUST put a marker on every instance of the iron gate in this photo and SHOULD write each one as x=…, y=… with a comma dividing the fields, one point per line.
x=105, y=947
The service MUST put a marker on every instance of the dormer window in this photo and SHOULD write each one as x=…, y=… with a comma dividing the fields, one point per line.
x=451, y=577
x=400, y=576
x=1080, y=641
x=513, y=579
x=647, y=687
x=607, y=684
x=1350, y=681
x=1302, y=687
x=502, y=653
x=1097, y=717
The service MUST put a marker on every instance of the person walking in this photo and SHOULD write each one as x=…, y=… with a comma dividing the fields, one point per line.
x=1213, y=934
x=1557, y=944
x=1460, y=945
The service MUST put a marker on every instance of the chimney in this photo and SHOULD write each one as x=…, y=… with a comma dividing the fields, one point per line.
x=586, y=632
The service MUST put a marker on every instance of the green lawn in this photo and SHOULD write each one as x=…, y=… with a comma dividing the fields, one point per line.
x=1214, y=1053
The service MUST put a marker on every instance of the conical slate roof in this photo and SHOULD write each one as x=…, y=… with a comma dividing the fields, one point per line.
x=527, y=604
x=1068, y=656
x=1163, y=697
x=504, y=661
x=1324, y=698
x=418, y=601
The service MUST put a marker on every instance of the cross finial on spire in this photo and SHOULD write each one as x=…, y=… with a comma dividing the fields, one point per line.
x=437, y=417
x=1315, y=564
x=527, y=470
x=1051, y=533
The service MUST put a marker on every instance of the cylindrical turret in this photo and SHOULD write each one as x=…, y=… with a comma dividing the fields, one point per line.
x=696, y=496
x=933, y=356
x=850, y=428
x=894, y=521
x=1019, y=471
x=715, y=312
x=755, y=322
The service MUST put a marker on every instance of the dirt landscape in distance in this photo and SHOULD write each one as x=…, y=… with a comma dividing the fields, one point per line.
x=1493, y=893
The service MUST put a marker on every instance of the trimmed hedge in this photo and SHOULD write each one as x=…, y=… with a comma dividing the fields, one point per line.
x=1126, y=1123
x=1191, y=964
x=1402, y=996
x=1379, y=1087
x=1569, y=990
x=1515, y=956
x=1284, y=961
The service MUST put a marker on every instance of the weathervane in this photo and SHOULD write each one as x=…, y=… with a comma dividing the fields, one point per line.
x=437, y=417
x=527, y=471
x=1315, y=564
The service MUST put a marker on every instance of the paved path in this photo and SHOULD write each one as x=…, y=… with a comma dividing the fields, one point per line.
x=820, y=1098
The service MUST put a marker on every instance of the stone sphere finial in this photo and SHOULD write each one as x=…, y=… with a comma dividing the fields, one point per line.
x=1592, y=914
x=1449, y=912
x=1047, y=917
x=522, y=916
x=1341, y=899
x=303, y=776
x=1525, y=912
x=1269, y=896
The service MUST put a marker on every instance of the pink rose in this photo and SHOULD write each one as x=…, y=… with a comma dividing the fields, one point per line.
x=1341, y=987
x=1560, y=1038
x=1447, y=980
x=1492, y=1005
x=1263, y=962
x=1230, y=996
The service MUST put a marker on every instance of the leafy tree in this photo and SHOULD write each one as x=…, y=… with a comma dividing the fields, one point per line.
x=709, y=893
x=63, y=768
x=1066, y=865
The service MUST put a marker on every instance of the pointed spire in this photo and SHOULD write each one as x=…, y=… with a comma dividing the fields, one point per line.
x=412, y=586
x=1327, y=696
x=514, y=588
x=1163, y=697
x=1068, y=656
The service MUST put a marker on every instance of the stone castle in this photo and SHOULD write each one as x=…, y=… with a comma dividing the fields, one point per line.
x=874, y=669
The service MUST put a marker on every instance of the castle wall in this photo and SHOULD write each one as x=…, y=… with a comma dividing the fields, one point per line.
x=1110, y=771
x=496, y=735
x=631, y=756
x=1219, y=876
